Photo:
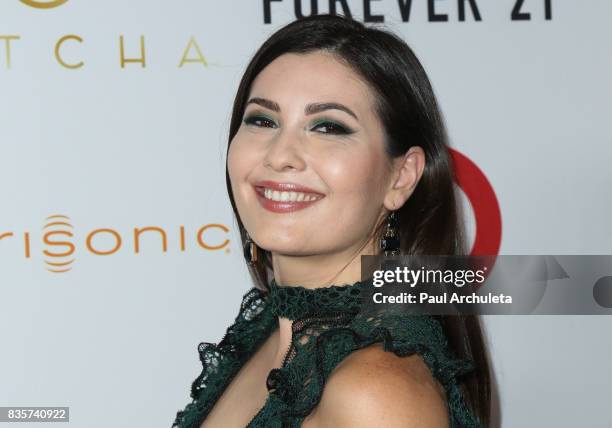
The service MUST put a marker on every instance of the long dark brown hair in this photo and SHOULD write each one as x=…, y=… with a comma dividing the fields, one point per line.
x=430, y=222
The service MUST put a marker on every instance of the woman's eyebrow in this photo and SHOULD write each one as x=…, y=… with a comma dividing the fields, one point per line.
x=317, y=107
x=310, y=108
x=264, y=103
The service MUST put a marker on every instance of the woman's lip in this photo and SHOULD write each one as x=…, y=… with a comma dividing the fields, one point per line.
x=286, y=187
x=281, y=206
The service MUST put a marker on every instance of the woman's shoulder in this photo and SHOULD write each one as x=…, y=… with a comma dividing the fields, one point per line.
x=373, y=387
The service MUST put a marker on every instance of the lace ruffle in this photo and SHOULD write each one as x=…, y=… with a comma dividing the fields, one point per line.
x=321, y=342
x=221, y=362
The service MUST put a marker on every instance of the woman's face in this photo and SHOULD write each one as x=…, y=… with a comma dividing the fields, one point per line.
x=310, y=121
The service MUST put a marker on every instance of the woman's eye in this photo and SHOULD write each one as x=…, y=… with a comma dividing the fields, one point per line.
x=260, y=121
x=331, y=128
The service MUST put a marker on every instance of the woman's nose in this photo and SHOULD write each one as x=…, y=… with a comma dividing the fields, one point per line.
x=285, y=150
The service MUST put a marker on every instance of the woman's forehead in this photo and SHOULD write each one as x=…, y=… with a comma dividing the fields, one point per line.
x=311, y=77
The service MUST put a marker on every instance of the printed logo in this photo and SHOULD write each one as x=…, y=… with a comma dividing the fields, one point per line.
x=60, y=242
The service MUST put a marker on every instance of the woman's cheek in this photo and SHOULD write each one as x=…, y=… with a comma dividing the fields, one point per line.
x=239, y=155
x=352, y=171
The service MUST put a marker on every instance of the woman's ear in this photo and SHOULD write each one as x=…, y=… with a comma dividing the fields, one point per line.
x=407, y=171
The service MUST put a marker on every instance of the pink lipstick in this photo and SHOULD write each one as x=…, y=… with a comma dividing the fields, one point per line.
x=289, y=196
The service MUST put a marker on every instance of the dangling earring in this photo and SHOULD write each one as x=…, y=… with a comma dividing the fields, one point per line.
x=250, y=250
x=390, y=242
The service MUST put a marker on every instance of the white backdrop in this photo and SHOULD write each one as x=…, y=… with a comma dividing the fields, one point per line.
x=116, y=148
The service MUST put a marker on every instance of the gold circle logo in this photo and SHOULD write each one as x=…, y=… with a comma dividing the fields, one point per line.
x=43, y=4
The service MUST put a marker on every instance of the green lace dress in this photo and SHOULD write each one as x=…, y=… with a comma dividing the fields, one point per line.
x=328, y=324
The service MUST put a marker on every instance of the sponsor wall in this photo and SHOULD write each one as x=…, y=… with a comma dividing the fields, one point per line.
x=118, y=249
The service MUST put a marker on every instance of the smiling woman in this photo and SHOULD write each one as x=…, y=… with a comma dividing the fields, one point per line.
x=335, y=134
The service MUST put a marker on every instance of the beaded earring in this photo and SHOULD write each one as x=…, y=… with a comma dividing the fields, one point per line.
x=250, y=250
x=390, y=242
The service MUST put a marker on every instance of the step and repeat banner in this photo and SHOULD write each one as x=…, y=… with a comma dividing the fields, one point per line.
x=119, y=252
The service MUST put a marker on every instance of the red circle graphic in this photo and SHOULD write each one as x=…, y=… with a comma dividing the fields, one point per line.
x=481, y=196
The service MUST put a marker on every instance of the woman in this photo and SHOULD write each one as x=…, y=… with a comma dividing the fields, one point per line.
x=336, y=140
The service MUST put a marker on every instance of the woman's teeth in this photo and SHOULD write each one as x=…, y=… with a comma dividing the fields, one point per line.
x=275, y=195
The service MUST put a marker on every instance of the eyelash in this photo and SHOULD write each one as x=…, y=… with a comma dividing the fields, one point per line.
x=340, y=129
x=251, y=120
